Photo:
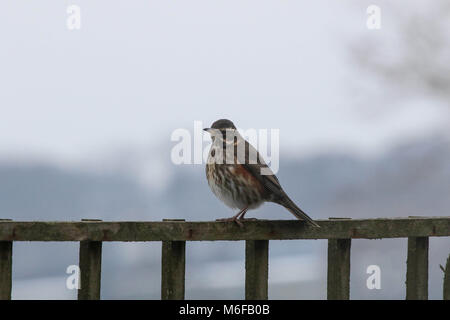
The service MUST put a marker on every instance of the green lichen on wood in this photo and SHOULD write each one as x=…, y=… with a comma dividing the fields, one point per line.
x=211, y=231
x=446, y=285
x=90, y=262
x=256, y=269
x=173, y=266
x=5, y=269
x=338, y=274
x=417, y=269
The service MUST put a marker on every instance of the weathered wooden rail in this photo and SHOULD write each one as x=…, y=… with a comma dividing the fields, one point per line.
x=175, y=233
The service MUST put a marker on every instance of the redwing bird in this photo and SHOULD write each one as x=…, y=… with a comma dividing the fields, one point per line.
x=239, y=177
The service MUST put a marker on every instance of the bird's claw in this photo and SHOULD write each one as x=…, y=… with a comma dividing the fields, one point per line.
x=248, y=219
x=232, y=219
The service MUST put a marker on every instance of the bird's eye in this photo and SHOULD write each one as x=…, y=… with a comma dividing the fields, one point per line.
x=213, y=153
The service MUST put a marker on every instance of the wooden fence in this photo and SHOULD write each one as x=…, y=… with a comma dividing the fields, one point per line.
x=175, y=233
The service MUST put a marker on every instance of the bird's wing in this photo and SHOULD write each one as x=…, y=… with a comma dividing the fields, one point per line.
x=245, y=156
x=271, y=183
x=254, y=163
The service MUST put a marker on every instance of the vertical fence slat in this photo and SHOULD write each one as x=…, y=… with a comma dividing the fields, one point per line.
x=5, y=269
x=173, y=266
x=417, y=269
x=338, y=279
x=90, y=261
x=256, y=269
x=446, y=285
x=90, y=270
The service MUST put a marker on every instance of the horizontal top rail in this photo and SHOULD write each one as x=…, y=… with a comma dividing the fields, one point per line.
x=211, y=231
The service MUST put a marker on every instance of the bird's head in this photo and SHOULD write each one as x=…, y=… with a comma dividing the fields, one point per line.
x=224, y=129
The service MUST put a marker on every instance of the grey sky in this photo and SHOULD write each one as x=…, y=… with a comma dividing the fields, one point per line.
x=138, y=70
x=105, y=95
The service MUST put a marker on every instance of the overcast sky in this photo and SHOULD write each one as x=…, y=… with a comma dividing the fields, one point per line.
x=138, y=70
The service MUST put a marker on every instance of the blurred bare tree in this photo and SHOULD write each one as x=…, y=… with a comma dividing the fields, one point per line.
x=412, y=54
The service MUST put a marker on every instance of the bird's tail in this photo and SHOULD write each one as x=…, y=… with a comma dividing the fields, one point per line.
x=296, y=211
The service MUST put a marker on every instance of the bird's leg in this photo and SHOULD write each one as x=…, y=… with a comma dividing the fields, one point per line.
x=243, y=214
x=236, y=217
x=233, y=218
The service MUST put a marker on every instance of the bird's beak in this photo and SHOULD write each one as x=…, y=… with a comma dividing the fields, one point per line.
x=207, y=129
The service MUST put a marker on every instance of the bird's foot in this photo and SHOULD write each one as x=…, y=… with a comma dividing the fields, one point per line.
x=232, y=219
x=248, y=219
